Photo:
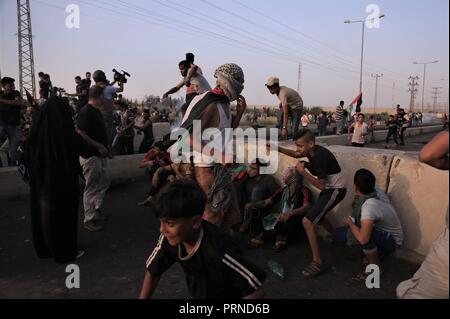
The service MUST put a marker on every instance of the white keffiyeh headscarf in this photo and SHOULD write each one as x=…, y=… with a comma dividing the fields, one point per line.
x=230, y=78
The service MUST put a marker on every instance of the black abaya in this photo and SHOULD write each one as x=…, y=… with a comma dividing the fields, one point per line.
x=52, y=156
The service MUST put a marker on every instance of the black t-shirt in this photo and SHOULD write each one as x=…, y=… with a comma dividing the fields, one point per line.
x=325, y=166
x=10, y=114
x=90, y=120
x=44, y=86
x=392, y=124
x=82, y=100
x=148, y=132
x=215, y=270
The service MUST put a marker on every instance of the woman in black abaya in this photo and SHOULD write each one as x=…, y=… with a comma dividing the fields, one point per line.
x=53, y=162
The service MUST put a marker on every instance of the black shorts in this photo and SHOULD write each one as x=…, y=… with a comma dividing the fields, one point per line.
x=328, y=199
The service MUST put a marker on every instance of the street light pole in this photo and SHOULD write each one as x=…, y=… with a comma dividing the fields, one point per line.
x=363, y=22
x=362, y=58
x=424, y=79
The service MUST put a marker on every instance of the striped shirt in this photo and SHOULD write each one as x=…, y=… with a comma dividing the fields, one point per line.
x=339, y=114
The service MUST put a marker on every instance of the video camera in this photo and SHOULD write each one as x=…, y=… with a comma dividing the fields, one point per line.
x=121, y=77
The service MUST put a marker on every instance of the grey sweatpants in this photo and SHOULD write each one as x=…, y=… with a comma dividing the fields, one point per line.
x=96, y=174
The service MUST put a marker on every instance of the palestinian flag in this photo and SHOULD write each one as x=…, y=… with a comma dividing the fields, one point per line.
x=358, y=101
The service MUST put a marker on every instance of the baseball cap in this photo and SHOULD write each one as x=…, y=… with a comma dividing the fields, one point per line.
x=272, y=81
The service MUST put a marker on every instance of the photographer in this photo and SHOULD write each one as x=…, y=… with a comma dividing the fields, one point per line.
x=108, y=102
x=82, y=90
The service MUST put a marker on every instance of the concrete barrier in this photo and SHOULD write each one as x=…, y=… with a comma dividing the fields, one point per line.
x=123, y=169
x=380, y=135
x=418, y=192
x=420, y=195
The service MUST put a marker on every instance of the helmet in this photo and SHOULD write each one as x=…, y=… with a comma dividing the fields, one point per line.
x=99, y=76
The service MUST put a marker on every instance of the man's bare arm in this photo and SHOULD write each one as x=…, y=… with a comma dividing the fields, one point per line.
x=435, y=153
x=289, y=152
x=149, y=286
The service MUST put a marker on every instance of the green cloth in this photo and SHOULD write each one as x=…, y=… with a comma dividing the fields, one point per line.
x=357, y=204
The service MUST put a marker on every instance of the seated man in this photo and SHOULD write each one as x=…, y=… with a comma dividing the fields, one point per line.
x=155, y=158
x=375, y=224
x=260, y=191
x=295, y=204
x=209, y=258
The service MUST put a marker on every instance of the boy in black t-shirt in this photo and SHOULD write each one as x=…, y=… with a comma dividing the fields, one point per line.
x=208, y=256
x=392, y=126
x=329, y=180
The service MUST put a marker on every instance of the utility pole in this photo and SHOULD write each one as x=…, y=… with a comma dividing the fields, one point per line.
x=26, y=58
x=446, y=107
x=424, y=78
x=299, y=89
x=436, y=96
x=393, y=95
x=413, y=90
x=375, y=104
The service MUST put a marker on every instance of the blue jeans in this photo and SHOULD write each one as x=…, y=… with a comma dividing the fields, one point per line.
x=340, y=126
x=13, y=134
x=108, y=116
x=380, y=241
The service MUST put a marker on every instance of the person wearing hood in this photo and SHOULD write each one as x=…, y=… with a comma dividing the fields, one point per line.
x=52, y=157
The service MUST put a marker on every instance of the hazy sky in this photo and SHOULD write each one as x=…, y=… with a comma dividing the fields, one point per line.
x=149, y=38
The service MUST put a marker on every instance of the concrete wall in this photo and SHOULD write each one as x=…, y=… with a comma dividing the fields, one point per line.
x=123, y=169
x=418, y=192
x=379, y=135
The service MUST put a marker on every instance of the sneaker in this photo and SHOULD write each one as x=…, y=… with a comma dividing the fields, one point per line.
x=92, y=226
x=80, y=254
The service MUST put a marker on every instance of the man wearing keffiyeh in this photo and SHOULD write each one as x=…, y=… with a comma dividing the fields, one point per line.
x=213, y=110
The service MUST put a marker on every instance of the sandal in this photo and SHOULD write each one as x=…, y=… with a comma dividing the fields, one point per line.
x=313, y=270
x=255, y=243
x=279, y=246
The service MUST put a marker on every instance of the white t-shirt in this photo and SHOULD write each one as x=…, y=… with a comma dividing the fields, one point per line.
x=384, y=217
x=358, y=135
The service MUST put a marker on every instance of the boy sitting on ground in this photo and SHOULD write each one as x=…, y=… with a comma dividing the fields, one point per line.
x=295, y=204
x=261, y=192
x=375, y=225
x=155, y=158
x=213, y=268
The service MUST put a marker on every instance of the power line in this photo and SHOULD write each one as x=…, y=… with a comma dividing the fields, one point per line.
x=309, y=37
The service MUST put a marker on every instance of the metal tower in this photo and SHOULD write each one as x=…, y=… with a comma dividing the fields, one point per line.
x=25, y=37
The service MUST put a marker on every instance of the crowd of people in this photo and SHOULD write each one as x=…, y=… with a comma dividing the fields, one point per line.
x=214, y=202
